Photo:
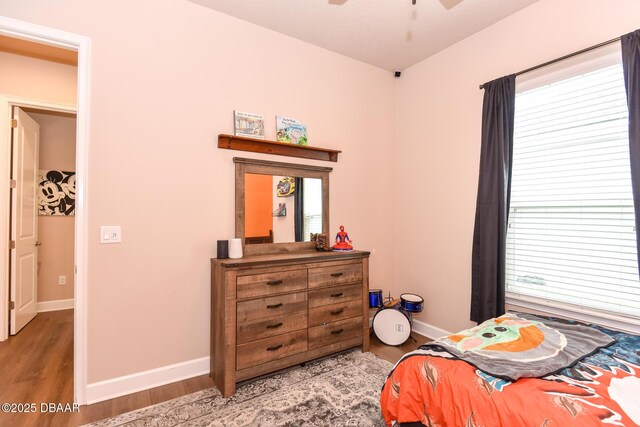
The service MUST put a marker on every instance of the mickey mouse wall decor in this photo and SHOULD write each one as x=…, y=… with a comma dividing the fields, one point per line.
x=56, y=192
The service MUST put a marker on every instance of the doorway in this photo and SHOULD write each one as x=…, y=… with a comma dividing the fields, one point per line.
x=81, y=45
x=42, y=213
x=39, y=350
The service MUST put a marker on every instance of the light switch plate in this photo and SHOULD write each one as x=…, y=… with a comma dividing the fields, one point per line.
x=110, y=234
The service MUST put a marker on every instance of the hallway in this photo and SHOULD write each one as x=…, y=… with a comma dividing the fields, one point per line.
x=36, y=366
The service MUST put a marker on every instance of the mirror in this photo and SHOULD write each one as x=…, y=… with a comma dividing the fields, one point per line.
x=279, y=205
x=281, y=209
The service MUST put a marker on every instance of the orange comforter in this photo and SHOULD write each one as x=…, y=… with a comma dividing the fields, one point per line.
x=603, y=389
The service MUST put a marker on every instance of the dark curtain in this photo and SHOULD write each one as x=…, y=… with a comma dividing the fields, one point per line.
x=492, y=206
x=631, y=68
x=298, y=198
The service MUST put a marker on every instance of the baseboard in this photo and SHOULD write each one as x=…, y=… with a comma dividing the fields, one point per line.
x=116, y=387
x=428, y=330
x=61, y=304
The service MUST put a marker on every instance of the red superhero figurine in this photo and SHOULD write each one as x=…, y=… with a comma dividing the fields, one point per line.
x=342, y=241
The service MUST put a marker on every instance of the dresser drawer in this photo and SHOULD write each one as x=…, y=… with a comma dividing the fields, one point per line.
x=335, y=275
x=271, y=326
x=320, y=336
x=262, y=351
x=334, y=312
x=258, y=285
x=271, y=307
x=335, y=295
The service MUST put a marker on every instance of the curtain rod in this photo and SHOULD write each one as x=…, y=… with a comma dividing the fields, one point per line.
x=562, y=58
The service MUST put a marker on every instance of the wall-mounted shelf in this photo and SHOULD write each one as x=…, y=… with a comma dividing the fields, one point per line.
x=241, y=143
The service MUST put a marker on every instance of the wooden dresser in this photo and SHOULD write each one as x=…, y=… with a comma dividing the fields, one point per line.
x=269, y=312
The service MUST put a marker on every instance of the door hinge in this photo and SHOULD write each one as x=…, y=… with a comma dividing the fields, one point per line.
x=13, y=183
x=12, y=244
x=14, y=123
x=12, y=305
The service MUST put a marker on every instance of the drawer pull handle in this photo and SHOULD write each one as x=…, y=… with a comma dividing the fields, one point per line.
x=338, y=295
x=277, y=325
x=339, y=331
x=338, y=311
x=274, y=282
x=275, y=305
x=336, y=274
x=274, y=348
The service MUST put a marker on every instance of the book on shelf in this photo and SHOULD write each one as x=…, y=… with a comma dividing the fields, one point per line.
x=248, y=124
x=291, y=131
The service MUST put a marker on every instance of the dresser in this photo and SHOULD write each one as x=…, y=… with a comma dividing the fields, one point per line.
x=269, y=312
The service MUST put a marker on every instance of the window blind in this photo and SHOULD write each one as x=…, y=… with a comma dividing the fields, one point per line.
x=571, y=235
x=312, y=224
x=312, y=207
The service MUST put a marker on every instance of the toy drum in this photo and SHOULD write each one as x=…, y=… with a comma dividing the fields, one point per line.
x=411, y=302
x=392, y=325
x=375, y=298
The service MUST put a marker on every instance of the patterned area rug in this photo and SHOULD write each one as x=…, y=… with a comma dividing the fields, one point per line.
x=343, y=390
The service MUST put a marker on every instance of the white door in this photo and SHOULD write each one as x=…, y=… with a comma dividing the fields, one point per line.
x=24, y=225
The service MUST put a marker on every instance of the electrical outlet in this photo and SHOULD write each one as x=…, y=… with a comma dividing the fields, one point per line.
x=62, y=280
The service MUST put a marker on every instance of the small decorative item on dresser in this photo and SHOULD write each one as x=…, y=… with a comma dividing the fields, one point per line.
x=321, y=241
x=223, y=249
x=235, y=248
x=343, y=243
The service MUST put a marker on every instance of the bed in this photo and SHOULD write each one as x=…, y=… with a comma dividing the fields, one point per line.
x=596, y=383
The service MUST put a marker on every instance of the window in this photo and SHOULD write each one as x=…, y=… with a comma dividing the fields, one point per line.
x=571, y=239
x=312, y=207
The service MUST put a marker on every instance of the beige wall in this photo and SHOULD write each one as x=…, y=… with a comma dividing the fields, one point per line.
x=37, y=79
x=284, y=229
x=41, y=80
x=438, y=115
x=56, y=233
x=165, y=79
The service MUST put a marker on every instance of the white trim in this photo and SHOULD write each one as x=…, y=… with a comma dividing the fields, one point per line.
x=81, y=44
x=574, y=312
x=115, y=387
x=38, y=34
x=429, y=330
x=55, y=305
x=5, y=176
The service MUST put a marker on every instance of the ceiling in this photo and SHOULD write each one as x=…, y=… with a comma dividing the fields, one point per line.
x=37, y=50
x=391, y=34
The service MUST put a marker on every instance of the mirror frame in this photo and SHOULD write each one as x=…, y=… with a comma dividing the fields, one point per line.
x=267, y=167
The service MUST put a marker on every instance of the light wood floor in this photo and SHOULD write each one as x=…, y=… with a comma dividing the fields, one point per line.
x=36, y=366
